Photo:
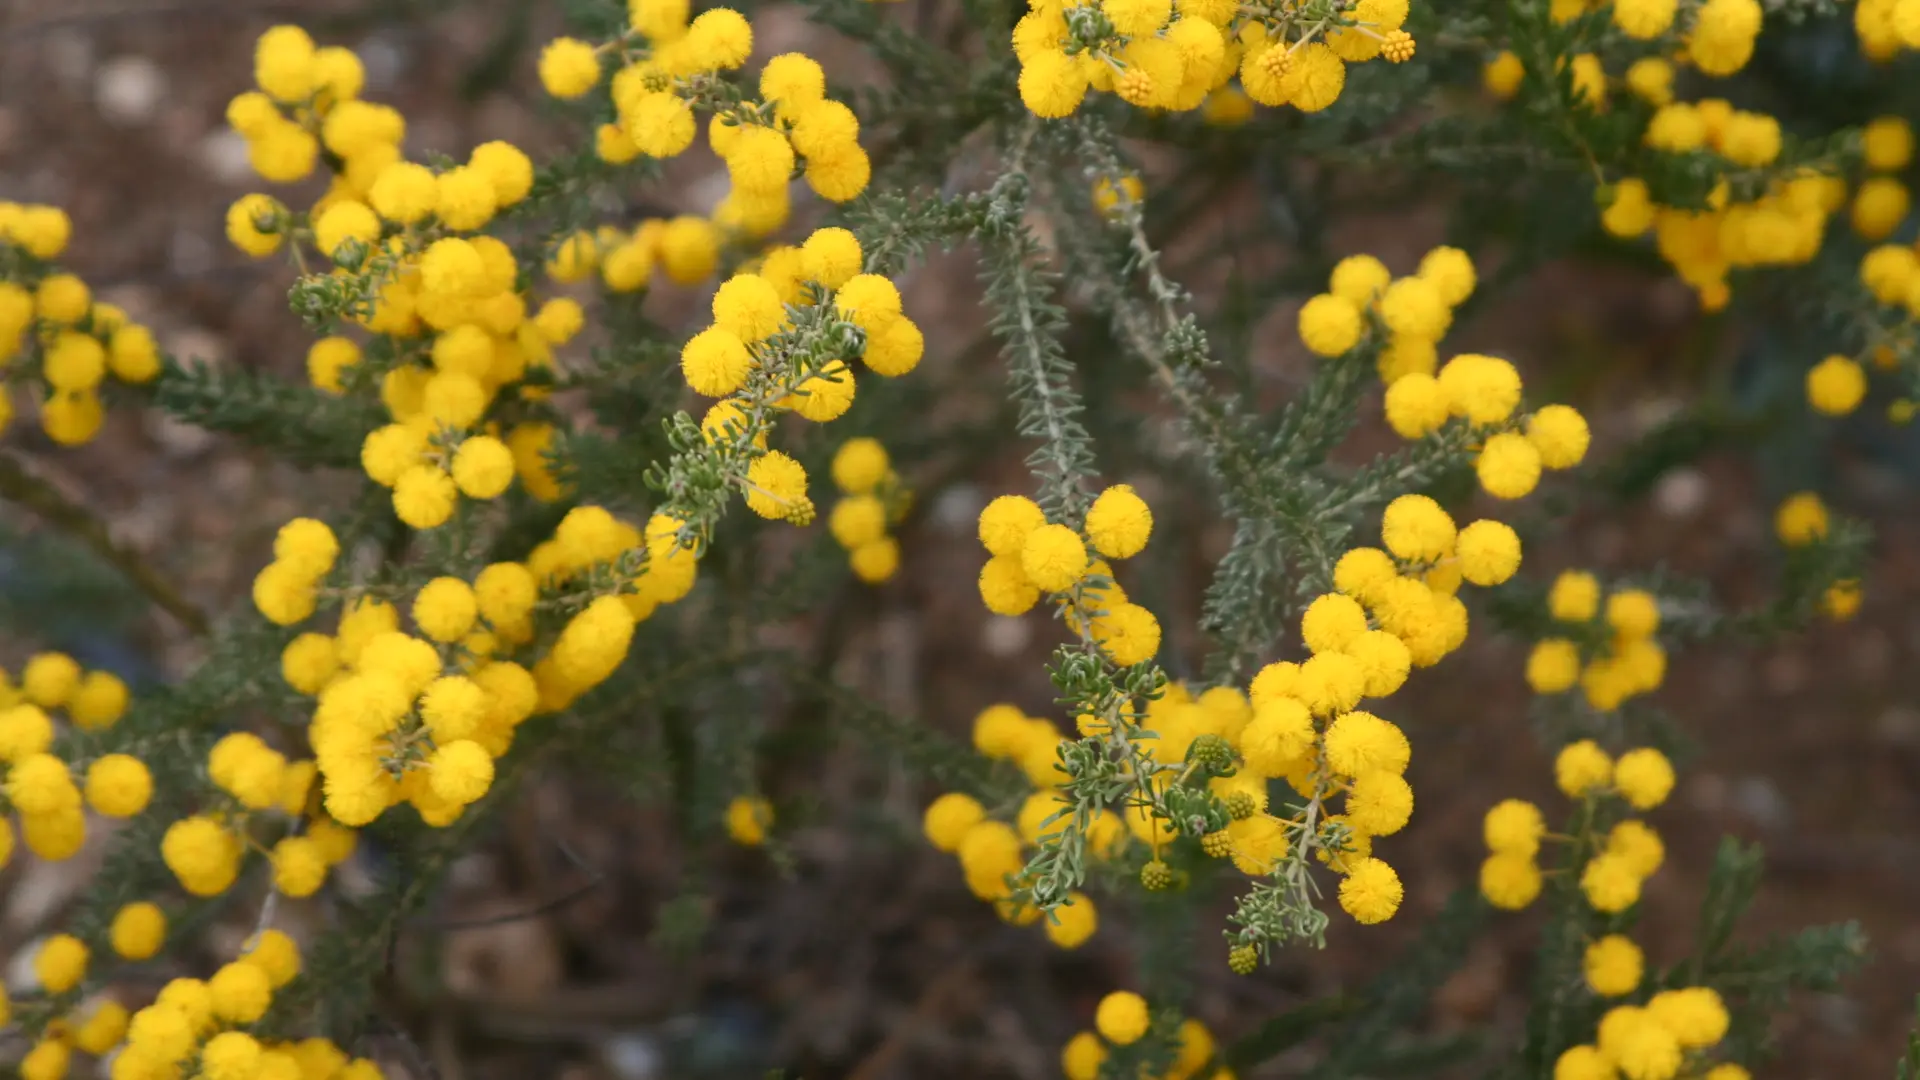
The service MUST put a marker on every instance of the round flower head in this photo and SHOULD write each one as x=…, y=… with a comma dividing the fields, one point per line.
x=1836, y=385
x=948, y=818
x=1053, y=557
x=1007, y=521
x=1416, y=528
x=1052, y=84
x=1613, y=965
x=1610, y=883
x=1416, y=405
x=1484, y=389
x=1119, y=523
x=1122, y=1017
x=1508, y=466
x=1509, y=882
x=1371, y=891
x=1638, y=844
x=1582, y=767
x=715, y=362
x=1359, y=278
x=568, y=67
x=1560, y=434
x=1412, y=307
x=859, y=465
x=1643, y=777
x=1489, y=552
x=1514, y=827
x=1330, y=324
x=777, y=487
x=1448, y=268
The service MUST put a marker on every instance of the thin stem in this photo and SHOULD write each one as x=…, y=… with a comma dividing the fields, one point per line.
x=22, y=487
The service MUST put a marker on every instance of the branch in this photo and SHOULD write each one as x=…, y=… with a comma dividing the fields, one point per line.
x=22, y=487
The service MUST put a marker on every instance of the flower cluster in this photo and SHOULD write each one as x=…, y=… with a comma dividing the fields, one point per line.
x=1619, y=862
x=669, y=71
x=456, y=339
x=1673, y=1034
x=993, y=852
x=1669, y=1033
x=783, y=338
x=1121, y=1020
x=1890, y=274
x=1155, y=54
x=55, y=335
x=1610, y=650
x=1802, y=521
x=1402, y=318
x=40, y=756
x=872, y=499
x=1782, y=225
x=1029, y=555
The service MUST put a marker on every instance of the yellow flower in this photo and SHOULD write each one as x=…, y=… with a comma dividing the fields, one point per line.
x=1370, y=891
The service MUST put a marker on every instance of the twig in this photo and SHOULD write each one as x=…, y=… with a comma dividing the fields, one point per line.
x=22, y=487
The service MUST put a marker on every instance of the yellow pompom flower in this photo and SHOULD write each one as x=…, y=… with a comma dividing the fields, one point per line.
x=1514, y=827
x=284, y=64
x=1412, y=307
x=445, y=608
x=568, y=67
x=1053, y=557
x=60, y=963
x=1509, y=882
x=1330, y=324
x=1359, y=744
x=119, y=785
x=1450, y=270
x=1007, y=521
x=138, y=930
x=424, y=497
x=1004, y=587
x=1488, y=551
x=1836, y=386
x=1560, y=434
x=1508, y=466
x=483, y=467
x=299, y=867
x=1416, y=528
x=1613, y=965
x=1073, y=922
x=1122, y=1017
x=948, y=818
x=776, y=487
x=749, y=307
x=1370, y=891
x=1582, y=767
x=1484, y=389
x=1695, y=1015
x=1416, y=405
x=240, y=992
x=460, y=771
x=719, y=39
x=1633, y=613
x=1887, y=144
x=715, y=362
x=1052, y=84
x=1119, y=523
x=1553, y=666
x=1643, y=777
x=1610, y=883
x=1128, y=633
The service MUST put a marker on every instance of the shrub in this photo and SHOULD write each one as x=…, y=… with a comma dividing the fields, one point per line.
x=575, y=515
